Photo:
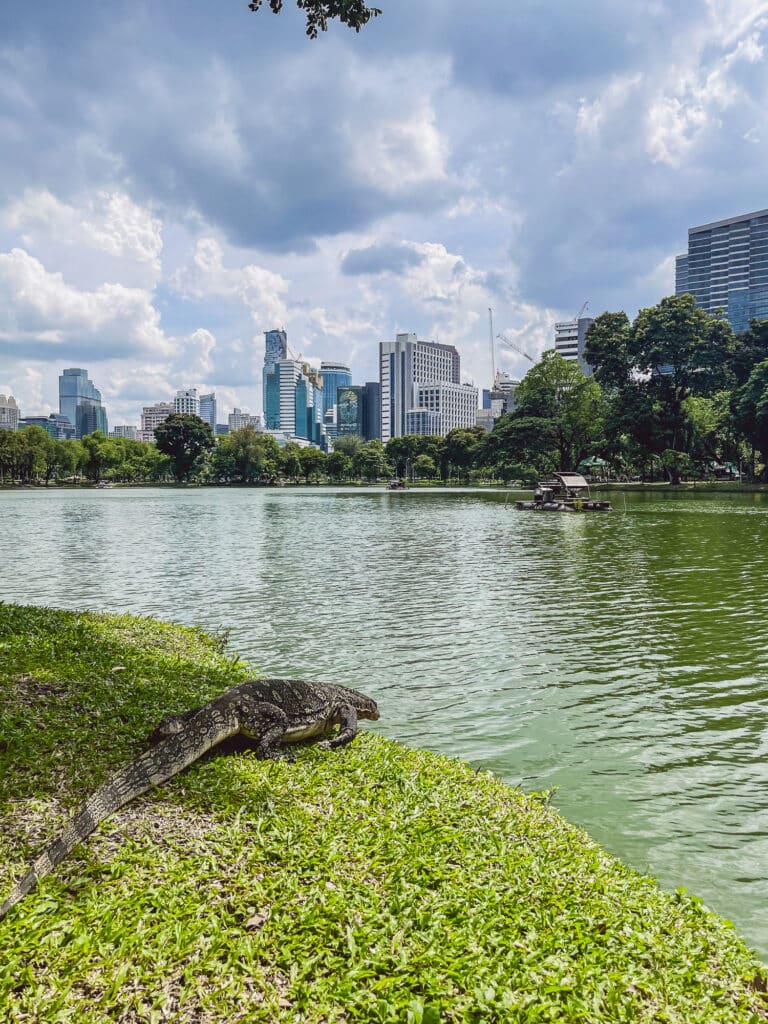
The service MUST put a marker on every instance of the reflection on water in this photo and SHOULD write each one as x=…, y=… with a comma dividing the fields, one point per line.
x=620, y=658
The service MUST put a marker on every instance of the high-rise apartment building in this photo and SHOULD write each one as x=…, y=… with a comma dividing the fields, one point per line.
x=208, y=410
x=80, y=402
x=726, y=268
x=126, y=430
x=9, y=413
x=187, y=402
x=335, y=376
x=238, y=419
x=570, y=339
x=152, y=416
x=405, y=363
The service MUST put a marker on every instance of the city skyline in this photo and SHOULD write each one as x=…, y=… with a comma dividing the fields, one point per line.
x=153, y=223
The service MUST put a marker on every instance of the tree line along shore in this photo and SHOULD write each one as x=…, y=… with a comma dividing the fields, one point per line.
x=674, y=395
x=377, y=884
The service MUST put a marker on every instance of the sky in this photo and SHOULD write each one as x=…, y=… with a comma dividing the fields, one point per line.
x=179, y=177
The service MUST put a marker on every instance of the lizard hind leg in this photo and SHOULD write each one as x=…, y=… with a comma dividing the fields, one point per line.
x=263, y=722
x=171, y=726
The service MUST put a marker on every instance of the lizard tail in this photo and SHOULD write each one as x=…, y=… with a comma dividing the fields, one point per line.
x=151, y=768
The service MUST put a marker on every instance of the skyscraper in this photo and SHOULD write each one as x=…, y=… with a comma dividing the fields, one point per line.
x=275, y=350
x=335, y=375
x=208, y=409
x=80, y=402
x=406, y=363
x=570, y=339
x=726, y=268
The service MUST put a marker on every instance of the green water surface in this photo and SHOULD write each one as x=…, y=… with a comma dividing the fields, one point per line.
x=620, y=658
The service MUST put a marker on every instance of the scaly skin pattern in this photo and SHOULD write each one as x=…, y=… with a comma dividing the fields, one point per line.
x=269, y=711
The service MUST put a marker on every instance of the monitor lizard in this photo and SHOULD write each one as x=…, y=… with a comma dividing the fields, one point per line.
x=269, y=711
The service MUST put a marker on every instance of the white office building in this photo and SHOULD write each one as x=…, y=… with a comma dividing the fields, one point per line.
x=126, y=430
x=404, y=364
x=187, y=402
x=238, y=419
x=570, y=338
x=454, y=405
x=9, y=413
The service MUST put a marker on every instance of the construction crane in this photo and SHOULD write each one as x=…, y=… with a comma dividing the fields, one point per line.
x=493, y=353
x=583, y=310
x=513, y=345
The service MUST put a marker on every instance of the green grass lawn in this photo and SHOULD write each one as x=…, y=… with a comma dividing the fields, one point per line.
x=376, y=883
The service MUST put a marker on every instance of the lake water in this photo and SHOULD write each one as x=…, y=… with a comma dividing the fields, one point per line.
x=621, y=658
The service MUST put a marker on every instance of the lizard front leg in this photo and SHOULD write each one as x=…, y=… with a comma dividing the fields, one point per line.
x=348, y=728
x=264, y=722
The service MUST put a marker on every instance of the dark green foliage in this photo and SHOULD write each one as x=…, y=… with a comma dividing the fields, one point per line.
x=354, y=13
x=752, y=410
x=246, y=456
x=370, y=462
x=184, y=439
x=381, y=884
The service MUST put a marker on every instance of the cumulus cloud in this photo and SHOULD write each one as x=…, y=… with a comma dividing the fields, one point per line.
x=234, y=177
x=120, y=239
x=385, y=257
x=41, y=315
x=260, y=290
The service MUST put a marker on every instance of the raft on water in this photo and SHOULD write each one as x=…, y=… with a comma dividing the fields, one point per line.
x=564, y=492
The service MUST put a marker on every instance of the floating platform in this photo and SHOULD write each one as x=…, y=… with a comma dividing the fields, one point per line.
x=565, y=492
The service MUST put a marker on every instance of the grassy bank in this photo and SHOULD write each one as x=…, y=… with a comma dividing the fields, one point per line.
x=376, y=884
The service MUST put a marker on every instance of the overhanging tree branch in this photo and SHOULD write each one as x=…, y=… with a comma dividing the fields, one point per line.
x=354, y=13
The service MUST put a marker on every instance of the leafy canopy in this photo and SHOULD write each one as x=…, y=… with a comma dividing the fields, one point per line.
x=353, y=13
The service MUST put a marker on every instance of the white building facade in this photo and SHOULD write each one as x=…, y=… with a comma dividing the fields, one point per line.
x=570, y=338
x=455, y=405
x=9, y=413
x=126, y=430
x=404, y=364
x=151, y=417
x=187, y=402
x=238, y=419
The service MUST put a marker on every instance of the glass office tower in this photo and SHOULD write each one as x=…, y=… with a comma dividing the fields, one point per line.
x=80, y=402
x=726, y=268
x=335, y=376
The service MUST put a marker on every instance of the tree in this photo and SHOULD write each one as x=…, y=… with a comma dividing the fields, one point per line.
x=184, y=439
x=291, y=460
x=371, y=461
x=246, y=455
x=424, y=467
x=751, y=348
x=338, y=466
x=460, y=448
x=607, y=349
x=682, y=350
x=401, y=451
x=354, y=13
x=556, y=391
x=752, y=412
x=348, y=444
x=312, y=462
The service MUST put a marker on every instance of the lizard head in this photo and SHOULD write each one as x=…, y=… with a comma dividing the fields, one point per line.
x=365, y=707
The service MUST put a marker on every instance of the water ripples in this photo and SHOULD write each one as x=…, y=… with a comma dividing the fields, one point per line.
x=618, y=658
